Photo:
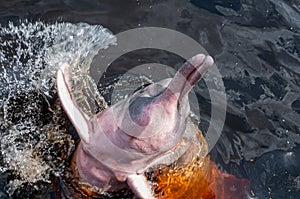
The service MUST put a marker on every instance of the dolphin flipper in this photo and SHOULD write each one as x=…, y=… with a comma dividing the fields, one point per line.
x=79, y=119
x=140, y=186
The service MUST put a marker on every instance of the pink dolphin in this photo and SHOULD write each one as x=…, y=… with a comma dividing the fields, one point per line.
x=120, y=143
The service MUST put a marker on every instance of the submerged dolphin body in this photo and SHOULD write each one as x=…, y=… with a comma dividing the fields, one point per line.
x=149, y=127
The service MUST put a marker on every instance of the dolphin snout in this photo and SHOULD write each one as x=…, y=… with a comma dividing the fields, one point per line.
x=188, y=75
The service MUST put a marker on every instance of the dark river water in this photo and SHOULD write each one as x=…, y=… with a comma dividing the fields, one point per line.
x=256, y=48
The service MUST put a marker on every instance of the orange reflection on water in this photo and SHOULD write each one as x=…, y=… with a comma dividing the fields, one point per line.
x=192, y=181
x=198, y=179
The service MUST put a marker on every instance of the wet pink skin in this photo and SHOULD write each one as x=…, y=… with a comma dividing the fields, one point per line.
x=118, y=144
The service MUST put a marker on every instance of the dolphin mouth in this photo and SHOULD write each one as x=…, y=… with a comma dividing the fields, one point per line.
x=189, y=74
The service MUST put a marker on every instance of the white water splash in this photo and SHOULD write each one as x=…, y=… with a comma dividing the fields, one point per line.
x=30, y=54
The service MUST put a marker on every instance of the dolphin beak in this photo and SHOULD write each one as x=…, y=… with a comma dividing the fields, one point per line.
x=188, y=75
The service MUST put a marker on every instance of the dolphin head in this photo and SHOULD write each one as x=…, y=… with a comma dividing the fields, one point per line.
x=153, y=119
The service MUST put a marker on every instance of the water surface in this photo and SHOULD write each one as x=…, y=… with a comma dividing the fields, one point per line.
x=255, y=45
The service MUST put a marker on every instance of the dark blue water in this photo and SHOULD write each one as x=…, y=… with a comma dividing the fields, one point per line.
x=256, y=46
